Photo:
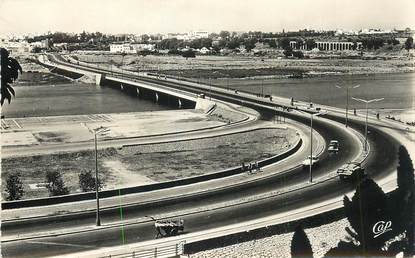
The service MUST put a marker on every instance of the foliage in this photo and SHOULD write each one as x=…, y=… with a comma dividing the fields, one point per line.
x=300, y=245
x=249, y=44
x=87, y=181
x=368, y=206
x=405, y=196
x=55, y=184
x=298, y=54
x=224, y=34
x=288, y=52
x=371, y=206
x=373, y=43
x=188, y=53
x=14, y=187
x=9, y=73
x=409, y=43
x=284, y=43
x=310, y=43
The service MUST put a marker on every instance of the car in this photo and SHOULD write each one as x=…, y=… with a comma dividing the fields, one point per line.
x=351, y=170
x=333, y=146
x=314, y=161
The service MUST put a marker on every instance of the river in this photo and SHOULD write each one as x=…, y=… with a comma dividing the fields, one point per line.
x=398, y=91
x=73, y=99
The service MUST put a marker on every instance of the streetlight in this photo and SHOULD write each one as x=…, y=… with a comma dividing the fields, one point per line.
x=367, y=102
x=347, y=97
x=311, y=141
x=97, y=131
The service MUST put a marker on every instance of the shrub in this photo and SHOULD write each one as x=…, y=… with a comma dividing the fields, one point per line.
x=14, y=187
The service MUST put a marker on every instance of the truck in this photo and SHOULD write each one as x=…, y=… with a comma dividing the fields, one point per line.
x=167, y=227
x=351, y=170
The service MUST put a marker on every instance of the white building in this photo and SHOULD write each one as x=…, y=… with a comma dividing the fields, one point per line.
x=128, y=48
x=204, y=50
x=329, y=45
x=188, y=35
x=122, y=48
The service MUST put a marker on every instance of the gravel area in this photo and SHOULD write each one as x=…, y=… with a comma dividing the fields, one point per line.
x=161, y=162
x=322, y=239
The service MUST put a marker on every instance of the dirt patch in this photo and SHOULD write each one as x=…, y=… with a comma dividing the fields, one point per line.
x=145, y=164
x=50, y=137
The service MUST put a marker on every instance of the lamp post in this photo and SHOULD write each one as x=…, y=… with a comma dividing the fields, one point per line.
x=367, y=111
x=97, y=131
x=311, y=142
x=347, y=98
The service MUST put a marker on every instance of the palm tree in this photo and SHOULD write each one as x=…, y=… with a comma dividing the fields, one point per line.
x=9, y=73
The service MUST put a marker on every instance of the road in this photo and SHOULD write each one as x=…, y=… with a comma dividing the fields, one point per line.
x=379, y=164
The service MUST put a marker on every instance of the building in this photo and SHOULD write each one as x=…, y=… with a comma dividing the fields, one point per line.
x=329, y=45
x=204, y=50
x=125, y=48
x=128, y=48
x=17, y=47
x=188, y=35
x=144, y=47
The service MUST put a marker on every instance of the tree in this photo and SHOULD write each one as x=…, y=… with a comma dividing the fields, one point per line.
x=298, y=54
x=300, y=245
x=368, y=206
x=288, y=52
x=224, y=34
x=272, y=43
x=408, y=43
x=284, y=43
x=145, y=38
x=310, y=43
x=405, y=197
x=87, y=181
x=249, y=44
x=9, y=73
x=55, y=184
x=14, y=187
x=188, y=53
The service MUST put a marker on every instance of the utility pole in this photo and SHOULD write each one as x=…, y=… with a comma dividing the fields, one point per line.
x=367, y=102
x=97, y=131
x=347, y=98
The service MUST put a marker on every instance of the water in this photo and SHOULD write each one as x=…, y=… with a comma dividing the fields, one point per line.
x=398, y=90
x=73, y=99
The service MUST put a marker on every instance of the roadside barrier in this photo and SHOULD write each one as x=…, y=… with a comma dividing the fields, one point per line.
x=144, y=188
x=156, y=252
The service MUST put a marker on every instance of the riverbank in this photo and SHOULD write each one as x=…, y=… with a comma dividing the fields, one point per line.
x=205, y=67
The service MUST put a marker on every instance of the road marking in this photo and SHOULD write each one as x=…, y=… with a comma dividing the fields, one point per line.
x=62, y=244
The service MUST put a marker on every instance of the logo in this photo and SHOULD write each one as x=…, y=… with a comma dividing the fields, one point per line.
x=381, y=227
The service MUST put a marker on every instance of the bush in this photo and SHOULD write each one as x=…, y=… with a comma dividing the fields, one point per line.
x=188, y=53
x=298, y=54
x=55, y=184
x=14, y=187
x=87, y=181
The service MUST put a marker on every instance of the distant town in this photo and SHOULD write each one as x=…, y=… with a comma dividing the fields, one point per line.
x=292, y=44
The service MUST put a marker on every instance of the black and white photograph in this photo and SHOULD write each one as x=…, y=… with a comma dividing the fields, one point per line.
x=198, y=129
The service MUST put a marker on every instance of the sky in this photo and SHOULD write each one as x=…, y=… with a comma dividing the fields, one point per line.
x=162, y=16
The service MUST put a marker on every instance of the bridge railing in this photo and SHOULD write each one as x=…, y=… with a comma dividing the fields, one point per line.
x=156, y=252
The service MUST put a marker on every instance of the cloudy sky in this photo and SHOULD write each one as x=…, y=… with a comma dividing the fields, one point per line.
x=151, y=16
